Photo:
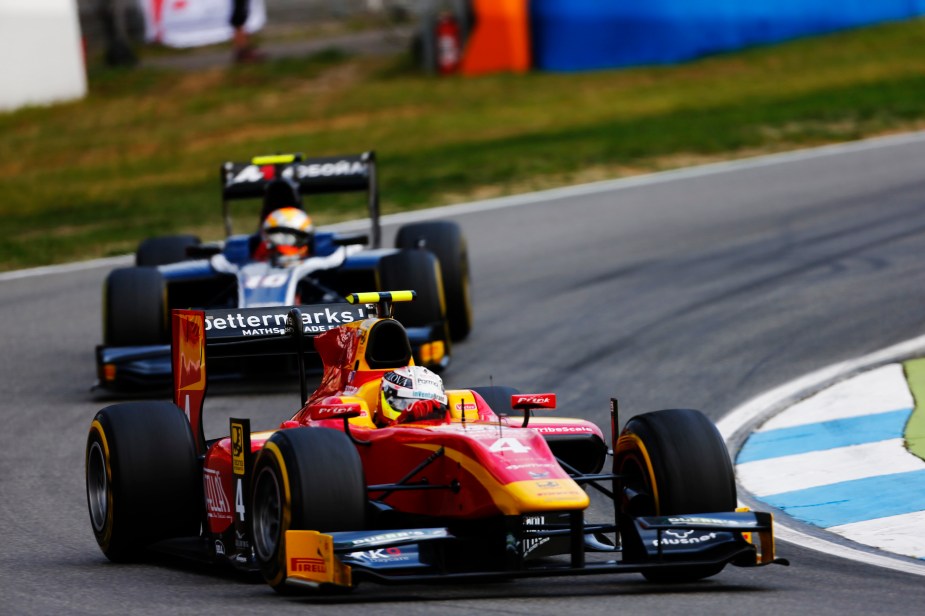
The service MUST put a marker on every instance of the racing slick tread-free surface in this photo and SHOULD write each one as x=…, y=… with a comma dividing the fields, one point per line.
x=134, y=310
x=326, y=487
x=417, y=270
x=164, y=250
x=143, y=482
x=445, y=239
x=689, y=471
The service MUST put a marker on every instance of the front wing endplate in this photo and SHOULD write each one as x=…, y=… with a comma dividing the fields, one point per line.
x=310, y=560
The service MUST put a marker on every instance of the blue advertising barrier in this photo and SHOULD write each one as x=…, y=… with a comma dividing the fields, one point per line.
x=574, y=35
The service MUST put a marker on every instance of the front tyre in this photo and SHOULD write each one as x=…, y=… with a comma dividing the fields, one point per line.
x=674, y=462
x=142, y=477
x=135, y=307
x=304, y=479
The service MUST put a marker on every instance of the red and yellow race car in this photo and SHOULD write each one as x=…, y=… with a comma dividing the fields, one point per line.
x=382, y=474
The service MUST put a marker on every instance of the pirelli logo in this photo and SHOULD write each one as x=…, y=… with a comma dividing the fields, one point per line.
x=301, y=564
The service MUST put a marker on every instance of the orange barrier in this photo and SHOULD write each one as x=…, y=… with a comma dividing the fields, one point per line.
x=500, y=40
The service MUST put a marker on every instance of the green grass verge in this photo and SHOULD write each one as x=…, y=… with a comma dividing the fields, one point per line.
x=140, y=155
x=915, y=427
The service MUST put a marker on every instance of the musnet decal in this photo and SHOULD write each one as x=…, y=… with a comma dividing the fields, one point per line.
x=674, y=537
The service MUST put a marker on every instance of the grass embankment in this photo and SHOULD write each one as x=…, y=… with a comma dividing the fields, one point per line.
x=914, y=433
x=140, y=155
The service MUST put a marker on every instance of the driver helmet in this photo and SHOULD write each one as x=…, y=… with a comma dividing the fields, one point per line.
x=287, y=233
x=412, y=393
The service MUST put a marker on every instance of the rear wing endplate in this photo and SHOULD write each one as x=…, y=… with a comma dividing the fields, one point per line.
x=328, y=174
x=242, y=332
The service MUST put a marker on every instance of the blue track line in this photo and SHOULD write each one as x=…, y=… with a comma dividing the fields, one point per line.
x=824, y=435
x=855, y=501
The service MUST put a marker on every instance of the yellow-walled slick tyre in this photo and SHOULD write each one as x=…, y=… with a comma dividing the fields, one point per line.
x=417, y=270
x=445, y=239
x=674, y=462
x=143, y=479
x=304, y=479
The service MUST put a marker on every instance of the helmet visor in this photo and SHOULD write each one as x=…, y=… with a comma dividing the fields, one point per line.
x=287, y=237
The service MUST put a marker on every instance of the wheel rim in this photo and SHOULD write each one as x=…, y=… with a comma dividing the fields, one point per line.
x=635, y=477
x=267, y=518
x=97, y=486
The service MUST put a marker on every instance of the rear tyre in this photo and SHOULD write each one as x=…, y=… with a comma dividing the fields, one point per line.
x=304, y=479
x=446, y=241
x=164, y=250
x=419, y=271
x=142, y=476
x=134, y=307
x=675, y=462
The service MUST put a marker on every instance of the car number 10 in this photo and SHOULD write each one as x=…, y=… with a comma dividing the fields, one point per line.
x=271, y=281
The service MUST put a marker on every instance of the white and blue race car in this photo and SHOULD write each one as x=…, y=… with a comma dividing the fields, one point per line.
x=179, y=271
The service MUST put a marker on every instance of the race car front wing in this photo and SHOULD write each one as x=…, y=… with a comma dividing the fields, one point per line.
x=416, y=555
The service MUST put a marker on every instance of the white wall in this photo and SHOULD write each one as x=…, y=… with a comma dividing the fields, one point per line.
x=41, y=54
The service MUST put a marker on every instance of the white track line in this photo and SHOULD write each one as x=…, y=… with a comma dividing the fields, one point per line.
x=660, y=177
x=66, y=268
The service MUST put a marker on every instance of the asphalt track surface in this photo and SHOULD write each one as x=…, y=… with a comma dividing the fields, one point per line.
x=702, y=288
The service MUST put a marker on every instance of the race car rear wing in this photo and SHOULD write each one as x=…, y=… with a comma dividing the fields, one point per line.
x=241, y=332
x=329, y=174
